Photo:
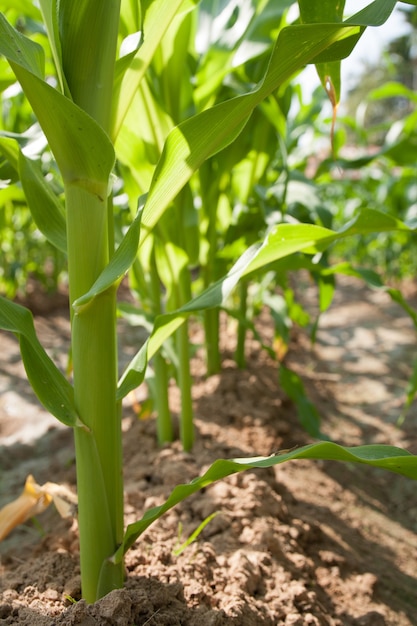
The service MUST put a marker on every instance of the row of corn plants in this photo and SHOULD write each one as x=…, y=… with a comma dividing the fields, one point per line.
x=109, y=87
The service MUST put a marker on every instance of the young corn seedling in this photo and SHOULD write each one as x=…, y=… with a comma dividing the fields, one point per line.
x=81, y=110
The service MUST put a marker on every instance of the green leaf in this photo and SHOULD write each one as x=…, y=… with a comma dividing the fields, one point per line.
x=82, y=149
x=49, y=384
x=130, y=71
x=43, y=203
x=392, y=90
x=120, y=262
x=394, y=459
x=200, y=137
x=45, y=207
x=166, y=324
x=282, y=241
x=375, y=14
x=21, y=50
x=180, y=549
x=49, y=11
x=324, y=11
x=285, y=239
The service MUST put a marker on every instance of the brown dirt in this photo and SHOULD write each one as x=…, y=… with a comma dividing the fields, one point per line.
x=309, y=543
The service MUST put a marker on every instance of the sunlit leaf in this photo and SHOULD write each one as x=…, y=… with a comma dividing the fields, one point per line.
x=283, y=241
x=82, y=149
x=129, y=73
x=394, y=459
x=200, y=137
x=43, y=203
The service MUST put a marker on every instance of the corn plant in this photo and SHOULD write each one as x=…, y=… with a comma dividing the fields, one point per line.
x=82, y=109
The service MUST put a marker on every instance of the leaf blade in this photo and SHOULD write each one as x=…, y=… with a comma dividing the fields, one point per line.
x=82, y=149
x=391, y=458
x=50, y=385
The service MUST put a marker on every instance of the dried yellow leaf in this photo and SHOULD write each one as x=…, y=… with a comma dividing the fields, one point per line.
x=33, y=500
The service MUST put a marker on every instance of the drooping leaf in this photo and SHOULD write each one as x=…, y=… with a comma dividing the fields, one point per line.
x=82, y=149
x=375, y=13
x=285, y=239
x=21, y=50
x=324, y=11
x=49, y=384
x=201, y=136
x=391, y=458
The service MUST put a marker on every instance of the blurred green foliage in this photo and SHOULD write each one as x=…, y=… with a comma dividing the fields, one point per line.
x=24, y=251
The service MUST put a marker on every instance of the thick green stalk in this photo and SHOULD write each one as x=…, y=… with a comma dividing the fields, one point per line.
x=99, y=452
x=88, y=31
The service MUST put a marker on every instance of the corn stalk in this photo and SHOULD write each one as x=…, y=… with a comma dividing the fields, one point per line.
x=78, y=118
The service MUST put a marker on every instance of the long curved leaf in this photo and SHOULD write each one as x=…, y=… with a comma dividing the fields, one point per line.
x=49, y=384
x=82, y=149
x=281, y=242
x=285, y=239
x=195, y=140
x=391, y=458
x=192, y=142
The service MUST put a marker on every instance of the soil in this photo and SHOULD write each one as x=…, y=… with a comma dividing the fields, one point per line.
x=306, y=543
